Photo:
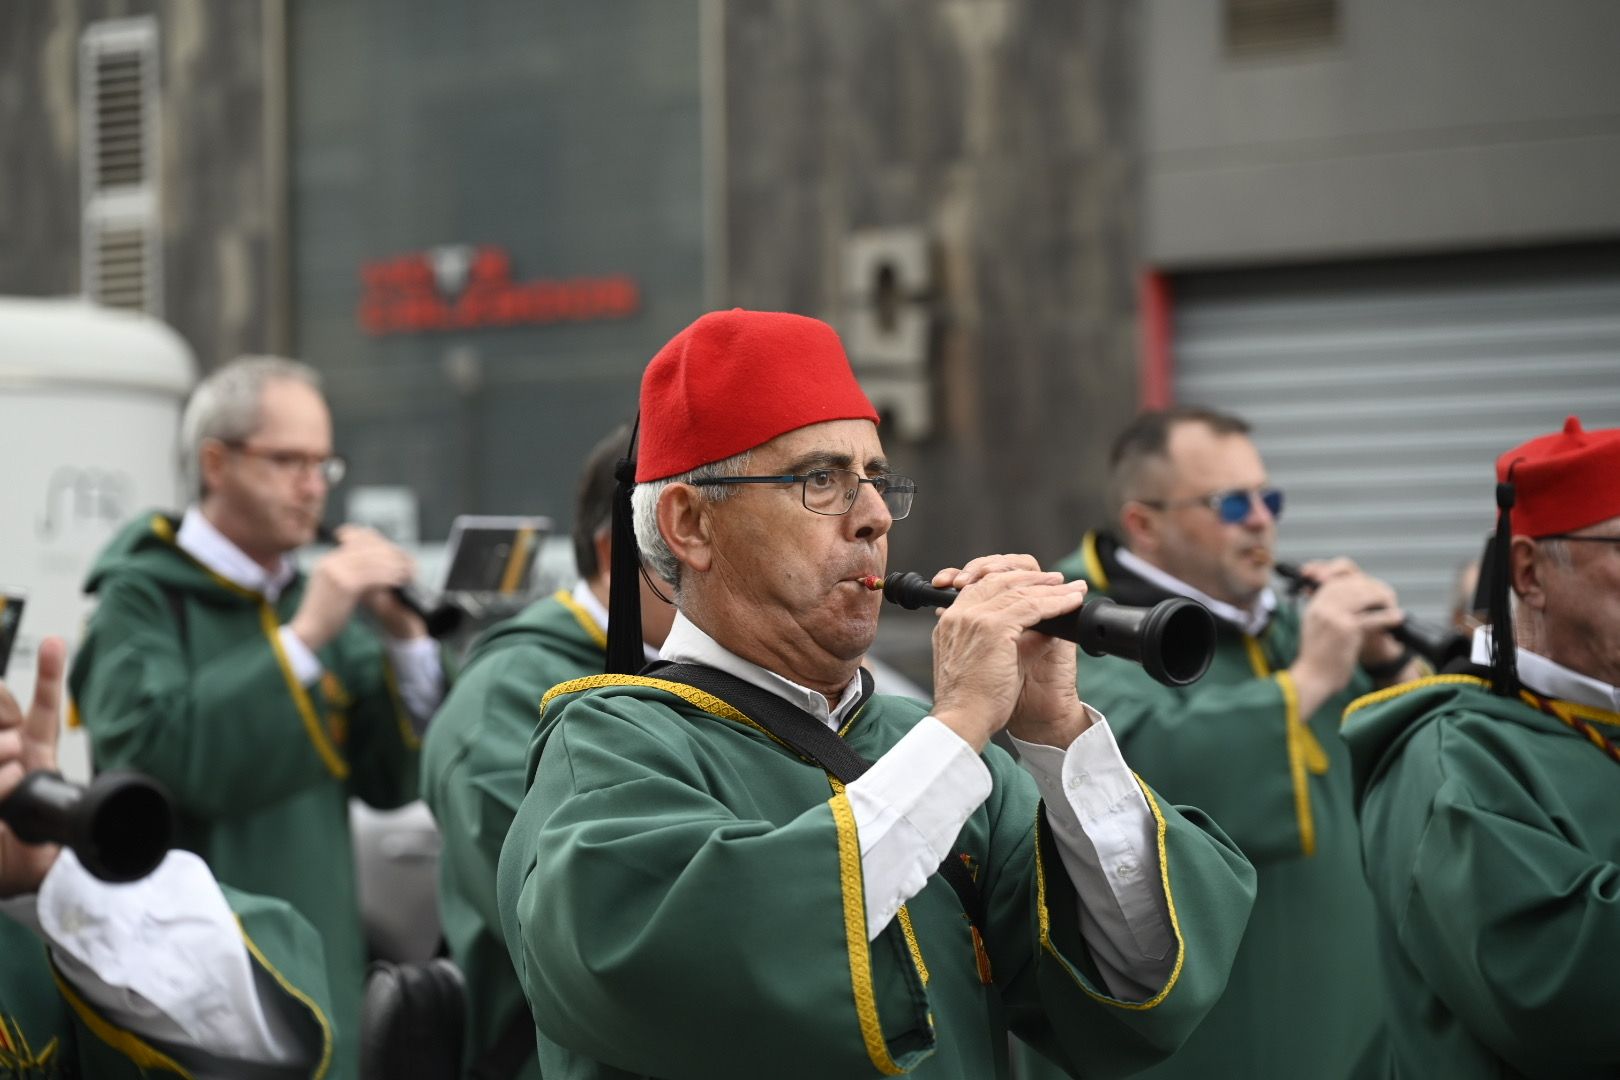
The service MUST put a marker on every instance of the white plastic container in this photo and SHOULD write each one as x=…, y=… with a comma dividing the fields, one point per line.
x=90, y=402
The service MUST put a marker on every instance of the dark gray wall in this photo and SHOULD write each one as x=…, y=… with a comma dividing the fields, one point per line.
x=1429, y=126
x=565, y=132
x=217, y=221
x=1006, y=129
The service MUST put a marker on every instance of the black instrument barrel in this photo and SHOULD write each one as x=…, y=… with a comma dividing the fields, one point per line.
x=1174, y=640
x=120, y=826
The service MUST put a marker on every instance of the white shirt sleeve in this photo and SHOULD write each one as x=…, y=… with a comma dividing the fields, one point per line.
x=420, y=673
x=306, y=665
x=1106, y=836
x=163, y=957
x=908, y=809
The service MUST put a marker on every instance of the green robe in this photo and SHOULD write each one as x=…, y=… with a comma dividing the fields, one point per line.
x=261, y=769
x=1491, y=838
x=1303, y=998
x=473, y=777
x=49, y=1032
x=682, y=896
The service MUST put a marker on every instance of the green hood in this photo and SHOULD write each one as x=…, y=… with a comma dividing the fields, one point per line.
x=551, y=625
x=147, y=546
x=1378, y=725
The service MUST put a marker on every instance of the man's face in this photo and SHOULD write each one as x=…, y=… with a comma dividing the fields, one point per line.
x=1581, y=604
x=269, y=486
x=791, y=576
x=1228, y=562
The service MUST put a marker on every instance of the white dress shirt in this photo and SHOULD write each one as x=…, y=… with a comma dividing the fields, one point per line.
x=1251, y=621
x=912, y=803
x=417, y=669
x=164, y=958
x=1550, y=678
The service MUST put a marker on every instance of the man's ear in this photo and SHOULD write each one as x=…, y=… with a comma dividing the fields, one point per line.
x=1139, y=527
x=1527, y=563
x=683, y=519
x=211, y=463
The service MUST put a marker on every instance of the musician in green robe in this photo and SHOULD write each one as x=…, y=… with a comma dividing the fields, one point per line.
x=167, y=976
x=1490, y=796
x=248, y=688
x=1255, y=741
x=473, y=756
x=686, y=896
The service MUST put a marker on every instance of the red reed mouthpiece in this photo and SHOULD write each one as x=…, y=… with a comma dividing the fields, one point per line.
x=873, y=582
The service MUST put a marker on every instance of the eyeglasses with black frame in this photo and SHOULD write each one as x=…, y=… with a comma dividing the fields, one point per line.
x=330, y=468
x=1587, y=539
x=1232, y=507
x=833, y=491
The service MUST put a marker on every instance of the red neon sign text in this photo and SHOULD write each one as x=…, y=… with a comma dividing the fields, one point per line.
x=462, y=288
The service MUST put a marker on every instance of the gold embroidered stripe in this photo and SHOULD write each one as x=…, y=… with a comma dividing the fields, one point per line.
x=860, y=957
x=583, y=617
x=306, y=708
x=698, y=699
x=1295, y=735
x=1044, y=918
x=125, y=1042
x=1378, y=697
x=402, y=715
x=302, y=998
x=1093, y=561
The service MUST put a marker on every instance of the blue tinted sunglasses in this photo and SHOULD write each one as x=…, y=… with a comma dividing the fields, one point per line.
x=1232, y=507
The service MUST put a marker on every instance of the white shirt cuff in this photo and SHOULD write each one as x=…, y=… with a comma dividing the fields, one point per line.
x=163, y=957
x=1105, y=834
x=306, y=666
x=909, y=808
x=420, y=675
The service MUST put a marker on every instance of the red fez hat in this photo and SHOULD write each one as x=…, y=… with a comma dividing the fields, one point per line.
x=737, y=379
x=1550, y=485
x=1564, y=481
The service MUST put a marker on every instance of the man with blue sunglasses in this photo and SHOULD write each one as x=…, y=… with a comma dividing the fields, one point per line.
x=1255, y=742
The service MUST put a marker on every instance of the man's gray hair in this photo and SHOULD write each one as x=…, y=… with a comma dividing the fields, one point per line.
x=644, y=507
x=226, y=405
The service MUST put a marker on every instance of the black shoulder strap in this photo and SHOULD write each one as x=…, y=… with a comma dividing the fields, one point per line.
x=812, y=739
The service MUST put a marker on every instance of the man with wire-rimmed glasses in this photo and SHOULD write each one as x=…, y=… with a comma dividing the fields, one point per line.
x=1255, y=741
x=247, y=687
x=706, y=879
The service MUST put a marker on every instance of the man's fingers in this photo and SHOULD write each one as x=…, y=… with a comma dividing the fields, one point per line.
x=45, y=714
x=985, y=566
x=1023, y=598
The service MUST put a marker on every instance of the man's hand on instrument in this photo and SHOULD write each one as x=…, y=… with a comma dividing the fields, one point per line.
x=27, y=744
x=989, y=669
x=362, y=568
x=1345, y=623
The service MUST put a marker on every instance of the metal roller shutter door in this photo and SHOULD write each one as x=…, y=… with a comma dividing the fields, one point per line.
x=1381, y=394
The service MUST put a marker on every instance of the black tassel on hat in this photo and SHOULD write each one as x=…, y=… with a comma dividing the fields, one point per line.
x=625, y=652
x=1498, y=571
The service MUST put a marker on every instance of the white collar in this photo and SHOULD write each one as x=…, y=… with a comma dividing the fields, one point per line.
x=1549, y=677
x=593, y=607
x=202, y=541
x=1251, y=622
x=687, y=644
